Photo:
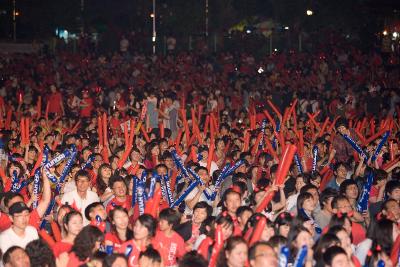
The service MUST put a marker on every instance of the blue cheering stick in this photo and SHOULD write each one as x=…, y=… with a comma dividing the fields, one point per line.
x=315, y=157
x=380, y=145
x=317, y=228
x=198, y=179
x=179, y=164
x=300, y=258
x=48, y=211
x=263, y=127
x=284, y=257
x=67, y=169
x=134, y=188
x=36, y=184
x=140, y=196
x=15, y=182
x=168, y=190
x=380, y=263
x=185, y=194
x=356, y=147
x=89, y=162
x=298, y=163
x=128, y=250
x=362, y=204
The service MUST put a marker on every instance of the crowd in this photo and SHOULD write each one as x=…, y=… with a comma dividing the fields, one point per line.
x=200, y=160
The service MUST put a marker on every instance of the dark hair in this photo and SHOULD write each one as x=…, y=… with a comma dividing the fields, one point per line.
x=171, y=216
x=325, y=195
x=109, y=260
x=129, y=232
x=338, y=220
x=336, y=199
x=277, y=241
x=301, y=199
x=229, y=245
x=101, y=185
x=68, y=217
x=40, y=254
x=322, y=245
x=391, y=186
x=341, y=122
x=192, y=259
x=10, y=250
x=285, y=218
x=222, y=219
x=151, y=253
x=85, y=242
x=81, y=173
x=203, y=205
x=149, y=222
x=225, y=196
x=382, y=235
x=114, y=179
x=308, y=187
x=243, y=209
x=292, y=236
x=345, y=184
x=9, y=196
x=90, y=208
x=331, y=253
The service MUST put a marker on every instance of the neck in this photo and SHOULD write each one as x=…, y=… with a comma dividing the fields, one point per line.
x=69, y=238
x=18, y=231
x=327, y=212
x=168, y=232
x=142, y=243
x=82, y=194
x=121, y=198
x=121, y=233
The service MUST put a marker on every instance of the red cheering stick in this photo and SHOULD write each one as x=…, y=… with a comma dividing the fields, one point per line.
x=301, y=143
x=270, y=148
x=248, y=234
x=206, y=124
x=294, y=120
x=193, y=154
x=161, y=126
x=252, y=122
x=394, y=255
x=275, y=109
x=199, y=113
x=215, y=123
x=218, y=245
x=256, y=144
x=322, y=131
x=264, y=203
x=105, y=131
x=372, y=126
x=178, y=138
x=46, y=237
x=312, y=118
x=27, y=127
x=56, y=231
x=39, y=107
x=284, y=164
x=173, y=180
x=210, y=155
x=153, y=203
x=246, y=141
x=375, y=136
x=145, y=135
x=326, y=178
x=360, y=136
x=46, y=115
x=333, y=124
x=390, y=164
x=261, y=222
x=270, y=119
x=286, y=116
x=22, y=126
x=391, y=150
x=131, y=133
x=126, y=134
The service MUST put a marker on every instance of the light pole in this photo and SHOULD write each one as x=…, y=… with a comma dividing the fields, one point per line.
x=206, y=18
x=153, y=39
x=14, y=21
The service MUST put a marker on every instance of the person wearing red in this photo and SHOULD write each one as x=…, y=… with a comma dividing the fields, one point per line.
x=120, y=232
x=231, y=202
x=86, y=105
x=169, y=243
x=144, y=231
x=56, y=105
x=72, y=223
x=121, y=198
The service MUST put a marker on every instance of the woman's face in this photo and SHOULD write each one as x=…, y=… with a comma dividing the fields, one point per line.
x=347, y=226
x=60, y=215
x=106, y=172
x=227, y=230
x=237, y=257
x=299, y=183
x=344, y=238
x=75, y=225
x=120, y=219
x=309, y=204
x=340, y=260
x=284, y=230
x=155, y=151
x=267, y=233
x=140, y=231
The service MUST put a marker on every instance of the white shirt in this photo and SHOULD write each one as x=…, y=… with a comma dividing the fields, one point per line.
x=203, y=197
x=213, y=166
x=75, y=201
x=9, y=238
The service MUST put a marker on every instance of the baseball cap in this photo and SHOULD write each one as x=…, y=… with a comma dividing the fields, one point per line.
x=17, y=208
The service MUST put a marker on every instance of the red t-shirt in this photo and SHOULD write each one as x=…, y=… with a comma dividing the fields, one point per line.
x=170, y=248
x=114, y=202
x=133, y=260
x=74, y=261
x=55, y=100
x=114, y=239
x=5, y=222
x=85, y=112
x=61, y=247
x=358, y=233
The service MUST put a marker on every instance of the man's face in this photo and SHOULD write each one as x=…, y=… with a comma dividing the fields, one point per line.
x=18, y=258
x=82, y=184
x=20, y=220
x=119, y=189
x=199, y=215
x=203, y=174
x=341, y=172
x=395, y=194
x=344, y=206
x=342, y=129
x=232, y=202
x=264, y=256
x=98, y=210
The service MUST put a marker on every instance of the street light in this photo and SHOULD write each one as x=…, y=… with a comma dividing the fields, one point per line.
x=385, y=32
x=153, y=38
x=309, y=12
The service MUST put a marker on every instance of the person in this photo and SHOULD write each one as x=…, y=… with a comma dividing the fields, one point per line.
x=121, y=197
x=340, y=175
x=115, y=260
x=20, y=233
x=120, y=232
x=16, y=257
x=56, y=106
x=40, y=254
x=150, y=258
x=234, y=253
x=323, y=216
x=72, y=225
x=192, y=259
x=86, y=243
x=144, y=231
x=336, y=256
x=198, y=194
x=262, y=254
x=82, y=196
x=170, y=244
x=343, y=150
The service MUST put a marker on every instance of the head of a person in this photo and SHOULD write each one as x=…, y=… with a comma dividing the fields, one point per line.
x=16, y=257
x=336, y=256
x=200, y=212
x=342, y=234
x=150, y=258
x=168, y=219
x=192, y=259
x=325, y=199
x=283, y=223
x=12, y=198
x=40, y=254
x=61, y=212
x=119, y=218
x=225, y=222
x=341, y=204
x=234, y=253
x=341, y=170
x=324, y=242
x=392, y=189
x=341, y=125
x=231, y=201
x=391, y=209
x=298, y=237
x=384, y=234
x=118, y=186
x=95, y=209
x=306, y=202
x=73, y=222
x=267, y=232
x=19, y=215
x=115, y=260
x=144, y=227
x=349, y=189
x=203, y=174
x=342, y=220
x=262, y=254
x=243, y=213
x=87, y=242
x=82, y=181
